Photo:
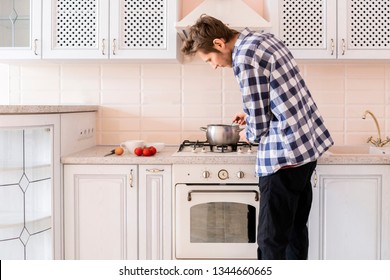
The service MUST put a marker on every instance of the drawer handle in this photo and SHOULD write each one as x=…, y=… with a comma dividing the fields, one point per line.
x=154, y=170
x=343, y=46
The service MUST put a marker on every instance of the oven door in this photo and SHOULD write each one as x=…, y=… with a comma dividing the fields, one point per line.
x=216, y=221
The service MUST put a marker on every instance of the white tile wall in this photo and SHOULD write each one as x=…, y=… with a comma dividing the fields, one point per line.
x=170, y=102
x=4, y=84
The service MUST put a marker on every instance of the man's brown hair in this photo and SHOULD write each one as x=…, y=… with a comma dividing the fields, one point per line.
x=203, y=33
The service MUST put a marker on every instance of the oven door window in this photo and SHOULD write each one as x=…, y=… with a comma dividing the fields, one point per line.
x=225, y=222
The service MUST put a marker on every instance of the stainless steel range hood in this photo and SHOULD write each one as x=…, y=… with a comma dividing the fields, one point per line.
x=234, y=13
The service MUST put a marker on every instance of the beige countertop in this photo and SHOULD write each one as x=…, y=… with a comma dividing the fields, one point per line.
x=45, y=109
x=95, y=155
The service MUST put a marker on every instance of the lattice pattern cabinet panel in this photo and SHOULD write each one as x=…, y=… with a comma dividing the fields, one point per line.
x=76, y=24
x=143, y=24
x=369, y=24
x=303, y=23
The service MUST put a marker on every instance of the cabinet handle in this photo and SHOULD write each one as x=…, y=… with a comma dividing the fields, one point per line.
x=332, y=46
x=343, y=46
x=131, y=178
x=36, y=47
x=315, y=178
x=103, y=46
x=114, y=46
x=154, y=170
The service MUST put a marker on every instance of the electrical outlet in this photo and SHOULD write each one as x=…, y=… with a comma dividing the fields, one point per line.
x=86, y=132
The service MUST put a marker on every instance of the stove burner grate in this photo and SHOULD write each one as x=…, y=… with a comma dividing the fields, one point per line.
x=215, y=148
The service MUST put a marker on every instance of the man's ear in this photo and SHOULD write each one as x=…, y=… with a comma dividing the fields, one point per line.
x=219, y=44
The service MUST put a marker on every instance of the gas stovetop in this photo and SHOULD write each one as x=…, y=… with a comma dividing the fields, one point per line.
x=205, y=148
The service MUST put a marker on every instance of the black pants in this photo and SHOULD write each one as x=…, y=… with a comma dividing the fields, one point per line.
x=285, y=202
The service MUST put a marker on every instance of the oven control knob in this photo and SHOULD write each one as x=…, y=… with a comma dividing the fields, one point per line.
x=223, y=174
x=206, y=174
x=240, y=174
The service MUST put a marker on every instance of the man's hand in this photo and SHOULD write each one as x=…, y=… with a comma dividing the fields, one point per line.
x=239, y=118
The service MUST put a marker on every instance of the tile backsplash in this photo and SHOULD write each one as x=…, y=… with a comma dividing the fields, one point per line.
x=169, y=102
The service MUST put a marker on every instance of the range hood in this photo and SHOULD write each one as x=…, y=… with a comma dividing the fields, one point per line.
x=234, y=13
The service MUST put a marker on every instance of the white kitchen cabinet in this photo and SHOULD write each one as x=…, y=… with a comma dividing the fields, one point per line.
x=75, y=29
x=339, y=29
x=116, y=29
x=101, y=217
x=30, y=202
x=31, y=191
x=144, y=29
x=385, y=237
x=20, y=29
x=155, y=213
x=350, y=212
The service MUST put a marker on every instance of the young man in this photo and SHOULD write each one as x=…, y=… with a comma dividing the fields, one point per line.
x=282, y=117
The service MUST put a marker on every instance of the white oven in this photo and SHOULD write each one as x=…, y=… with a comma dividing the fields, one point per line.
x=216, y=209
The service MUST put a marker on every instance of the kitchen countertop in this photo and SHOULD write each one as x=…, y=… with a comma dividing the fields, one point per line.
x=95, y=155
x=45, y=109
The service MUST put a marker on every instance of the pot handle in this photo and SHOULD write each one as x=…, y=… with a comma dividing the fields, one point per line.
x=203, y=128
x=241, y=129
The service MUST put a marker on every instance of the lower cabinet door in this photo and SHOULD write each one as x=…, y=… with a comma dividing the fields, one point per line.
x=100, y=212
x=155, y=213
x=346, y=217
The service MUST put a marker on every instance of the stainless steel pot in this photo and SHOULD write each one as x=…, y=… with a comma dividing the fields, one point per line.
x=222, y=134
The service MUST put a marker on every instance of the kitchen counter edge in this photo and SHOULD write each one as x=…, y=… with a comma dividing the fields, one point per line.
x=45, y=109
x=95, y=155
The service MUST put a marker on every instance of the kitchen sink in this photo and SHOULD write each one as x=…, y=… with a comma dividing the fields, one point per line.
x=358, y=150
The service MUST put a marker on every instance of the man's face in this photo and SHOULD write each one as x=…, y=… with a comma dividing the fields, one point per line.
x=216, y=59
x=221, y=58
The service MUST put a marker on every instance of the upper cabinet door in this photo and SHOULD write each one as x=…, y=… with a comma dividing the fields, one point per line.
x=20, y=29
x=75, y=29
x=143, y=29
x=308, y=29
x=330, y=29
x=363, y=29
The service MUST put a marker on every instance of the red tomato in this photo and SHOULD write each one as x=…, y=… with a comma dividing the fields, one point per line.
x=138, y=151
x=147, y=152
x=153, y=150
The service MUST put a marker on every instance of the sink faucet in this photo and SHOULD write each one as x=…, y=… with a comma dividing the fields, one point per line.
x=377, y=142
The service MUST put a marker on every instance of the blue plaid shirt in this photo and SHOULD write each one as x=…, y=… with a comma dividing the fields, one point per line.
x=281, y=114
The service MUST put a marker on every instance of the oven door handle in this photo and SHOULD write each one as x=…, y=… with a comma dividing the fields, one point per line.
x=189, y=196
